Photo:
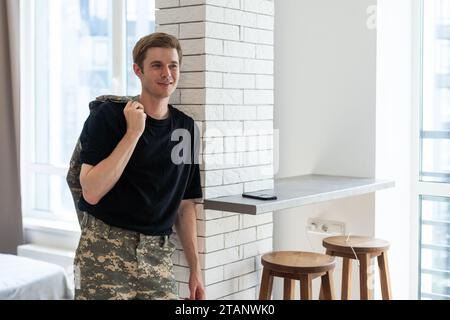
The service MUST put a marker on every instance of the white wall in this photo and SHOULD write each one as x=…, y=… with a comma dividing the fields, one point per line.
x=325, y=90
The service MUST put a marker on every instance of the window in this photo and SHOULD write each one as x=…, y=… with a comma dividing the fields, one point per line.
x=434, y=177
x=72, y=52
x=435, y=133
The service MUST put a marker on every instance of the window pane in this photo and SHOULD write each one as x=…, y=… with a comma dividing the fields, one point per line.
x=435, y=208
x=52, y=195
x=437, y=283
x=436, y=159
x=436, y=92
x=73, y=65
x=140, y=22
x=435, y=247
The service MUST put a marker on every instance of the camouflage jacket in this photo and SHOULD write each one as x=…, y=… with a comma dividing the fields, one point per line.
x=73, y=175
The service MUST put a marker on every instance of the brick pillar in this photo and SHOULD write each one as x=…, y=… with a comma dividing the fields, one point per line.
x=227, y=87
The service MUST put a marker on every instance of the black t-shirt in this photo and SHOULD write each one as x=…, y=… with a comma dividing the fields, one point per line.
x=147, y=195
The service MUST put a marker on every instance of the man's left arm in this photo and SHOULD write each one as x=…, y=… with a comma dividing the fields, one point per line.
x=186, y=227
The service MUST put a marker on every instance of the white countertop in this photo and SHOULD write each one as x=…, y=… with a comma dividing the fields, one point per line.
x=301, y=190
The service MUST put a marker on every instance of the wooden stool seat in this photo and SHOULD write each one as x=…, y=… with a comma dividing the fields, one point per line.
x=362, y=249
x=297, y=265
x=344, y=244
x=297, y=262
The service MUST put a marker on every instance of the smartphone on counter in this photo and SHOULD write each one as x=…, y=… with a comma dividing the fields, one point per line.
x=260, y=195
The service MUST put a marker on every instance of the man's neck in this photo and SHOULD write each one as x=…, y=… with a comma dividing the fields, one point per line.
x=155, y=108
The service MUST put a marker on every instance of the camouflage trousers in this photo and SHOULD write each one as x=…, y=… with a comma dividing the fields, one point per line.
x=112, y=263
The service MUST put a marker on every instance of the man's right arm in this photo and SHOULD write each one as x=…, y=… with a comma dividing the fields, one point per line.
x=96, y=181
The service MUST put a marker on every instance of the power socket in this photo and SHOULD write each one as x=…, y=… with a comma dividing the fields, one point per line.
x=327, y=227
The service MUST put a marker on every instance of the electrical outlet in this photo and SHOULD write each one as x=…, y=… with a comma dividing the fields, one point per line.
x=325, y=226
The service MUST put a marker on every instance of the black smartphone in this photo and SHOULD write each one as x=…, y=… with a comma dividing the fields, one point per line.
x=261, y=195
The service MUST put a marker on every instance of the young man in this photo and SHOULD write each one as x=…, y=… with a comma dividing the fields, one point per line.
x=134, y=191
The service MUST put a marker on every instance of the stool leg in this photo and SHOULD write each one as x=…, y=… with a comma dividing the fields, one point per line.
x=384, y=276
x=321, y=294
x=265, y=292
x=305, y=287
x=346, y=279
x=289, y=289
x=327, y=288
x=364, y=271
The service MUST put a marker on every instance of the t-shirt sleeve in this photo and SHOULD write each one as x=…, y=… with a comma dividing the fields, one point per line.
x=194, y=187
x=97, y=138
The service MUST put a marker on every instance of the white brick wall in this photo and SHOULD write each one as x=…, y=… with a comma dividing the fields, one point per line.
x=264, y=82
x=160, y=4
x=210, y=244
x=240, y=112
x=249, y=294
x=177, y=15
x=259, y=6
x=249, y=280
x=238, y=175
x=227, y=87
x=192, y=30
x=251, y=220
x=221, y=289
x=213, y=275
x=239, y=268
x=223, y=129
x=221, y=257
x=217, y=226
x=242, y=81
x=199, y=79
x=259, y=128
x=213, y=145
x=264, y=52
x=259, y=36
x=264, y=231
x=172, y=29
x=256, y=248
x=193, y=63
x=202, y=112
x=265, y=112
x=221, y=191
x=258, y=97
x=203, y=214
x=239, y=237
x=239, y=49
x=236, y=160
x=240, y=18
x=224, y=96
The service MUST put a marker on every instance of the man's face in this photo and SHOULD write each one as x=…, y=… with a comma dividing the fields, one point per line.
x=160, y=73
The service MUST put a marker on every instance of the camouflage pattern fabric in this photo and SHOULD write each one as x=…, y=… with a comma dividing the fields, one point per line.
x=73, y=175
x=117, y=264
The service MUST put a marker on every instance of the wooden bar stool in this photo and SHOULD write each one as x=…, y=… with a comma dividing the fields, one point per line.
x=363, y=249
x=296, y=265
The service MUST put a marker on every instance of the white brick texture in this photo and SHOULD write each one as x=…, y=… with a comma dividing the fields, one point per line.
x=226, y=86
x=177, y=15
x=239, y=268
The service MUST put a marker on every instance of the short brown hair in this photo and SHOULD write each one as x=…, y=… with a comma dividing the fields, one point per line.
x=155, y=40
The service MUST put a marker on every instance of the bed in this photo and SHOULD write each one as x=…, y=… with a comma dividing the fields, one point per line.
x=28, y=279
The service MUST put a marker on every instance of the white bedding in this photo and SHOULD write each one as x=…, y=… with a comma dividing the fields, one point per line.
x=27, y=279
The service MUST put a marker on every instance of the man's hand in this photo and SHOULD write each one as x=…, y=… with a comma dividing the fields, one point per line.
x=196, y=286
x=186, y=226
x=135, y=117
